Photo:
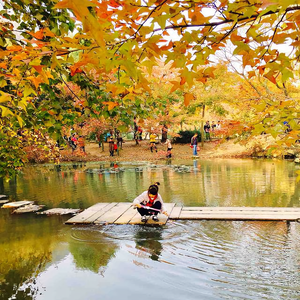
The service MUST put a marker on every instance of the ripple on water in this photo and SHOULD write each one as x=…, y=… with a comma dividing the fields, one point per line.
x=238, y=260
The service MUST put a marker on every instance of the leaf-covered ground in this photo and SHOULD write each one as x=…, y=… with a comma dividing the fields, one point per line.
x=141, y=152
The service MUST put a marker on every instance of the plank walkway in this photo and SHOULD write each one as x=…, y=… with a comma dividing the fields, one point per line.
x=124, y=213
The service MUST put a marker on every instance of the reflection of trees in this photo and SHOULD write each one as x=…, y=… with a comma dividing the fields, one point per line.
x=22, y=269
x=92, y=256
x=24, y=252
x=148, y=240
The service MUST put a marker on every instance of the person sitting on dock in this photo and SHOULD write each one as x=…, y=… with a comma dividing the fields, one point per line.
x=150, y=203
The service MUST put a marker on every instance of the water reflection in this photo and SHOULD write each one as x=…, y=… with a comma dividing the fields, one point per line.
x=26, y=247
x=193, y=183
x=91, y=250
x=148, y=241
x=41, y=258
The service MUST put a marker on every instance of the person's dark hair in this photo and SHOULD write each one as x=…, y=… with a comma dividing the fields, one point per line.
x=153, y=188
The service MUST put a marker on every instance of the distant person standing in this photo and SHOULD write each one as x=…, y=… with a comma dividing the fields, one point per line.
x=194, y=143
x=207, y=131
x=164, y=134
x=73, y=142
x=135, y=131
x=81, y=143
x=218, y=128
x=169, y=148
x=119, y=139
x=140, y=133
x=213, y=127
x=111, y=146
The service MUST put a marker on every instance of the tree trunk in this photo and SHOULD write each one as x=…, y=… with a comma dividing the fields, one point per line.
x=202, y=124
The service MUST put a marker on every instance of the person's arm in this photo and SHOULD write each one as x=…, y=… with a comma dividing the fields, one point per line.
x=139, y=199
x=163, y=209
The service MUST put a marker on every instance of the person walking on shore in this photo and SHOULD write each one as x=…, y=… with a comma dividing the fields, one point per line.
x=194, y=143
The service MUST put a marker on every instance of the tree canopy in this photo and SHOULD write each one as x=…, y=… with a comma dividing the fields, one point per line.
x=62, y=61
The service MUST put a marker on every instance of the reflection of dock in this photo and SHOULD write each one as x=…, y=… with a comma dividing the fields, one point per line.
x=124, y=213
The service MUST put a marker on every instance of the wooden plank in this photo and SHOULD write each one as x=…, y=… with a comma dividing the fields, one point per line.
x=136, y=220
x=169, y=207
x=175, y=212
x=17, y=204
x=126, y=216
x=280, y=209
x=86, y=213
x=100, y=212
x=240, y=216
x=113, y=214
x=238, y=213
x=162, y=219
x=60, y=211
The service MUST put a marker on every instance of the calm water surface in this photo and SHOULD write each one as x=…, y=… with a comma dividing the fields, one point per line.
x=41, y=258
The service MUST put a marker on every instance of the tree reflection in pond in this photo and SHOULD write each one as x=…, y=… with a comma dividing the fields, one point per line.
x=25, y=251
x=91, y=250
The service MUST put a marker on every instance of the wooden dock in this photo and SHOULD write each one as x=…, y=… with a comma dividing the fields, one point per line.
x=124, y=213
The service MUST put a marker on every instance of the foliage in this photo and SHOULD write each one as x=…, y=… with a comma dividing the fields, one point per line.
x=185, y=136
x=63, y=62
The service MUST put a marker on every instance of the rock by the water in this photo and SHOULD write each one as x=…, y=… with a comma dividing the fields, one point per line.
x=28, y=208
x=17, y=204
x=60, y=211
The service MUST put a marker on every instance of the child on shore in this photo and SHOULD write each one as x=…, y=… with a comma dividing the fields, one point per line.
x=152, y=142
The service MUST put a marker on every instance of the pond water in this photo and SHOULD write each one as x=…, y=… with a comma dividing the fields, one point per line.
x=41, y=258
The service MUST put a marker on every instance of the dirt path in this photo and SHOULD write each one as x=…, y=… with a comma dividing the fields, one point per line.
x=132, y=152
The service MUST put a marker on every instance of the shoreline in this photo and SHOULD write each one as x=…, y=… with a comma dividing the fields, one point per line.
x=132, y=152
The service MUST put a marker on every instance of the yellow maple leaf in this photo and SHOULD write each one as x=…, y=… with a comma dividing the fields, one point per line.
x=80, y=7
x=4, y=97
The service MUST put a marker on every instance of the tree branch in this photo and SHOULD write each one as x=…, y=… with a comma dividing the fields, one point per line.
x=242, y=19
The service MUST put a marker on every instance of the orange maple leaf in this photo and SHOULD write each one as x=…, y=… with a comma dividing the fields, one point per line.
x=110, y=104
x=36, y=80
x=38, y=35
x=75, y=70
x=187, y=98
x=39, y=68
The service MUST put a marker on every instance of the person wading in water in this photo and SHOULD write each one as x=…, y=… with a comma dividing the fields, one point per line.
x=150, y=203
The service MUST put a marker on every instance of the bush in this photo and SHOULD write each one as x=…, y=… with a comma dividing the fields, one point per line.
x=185, y=136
